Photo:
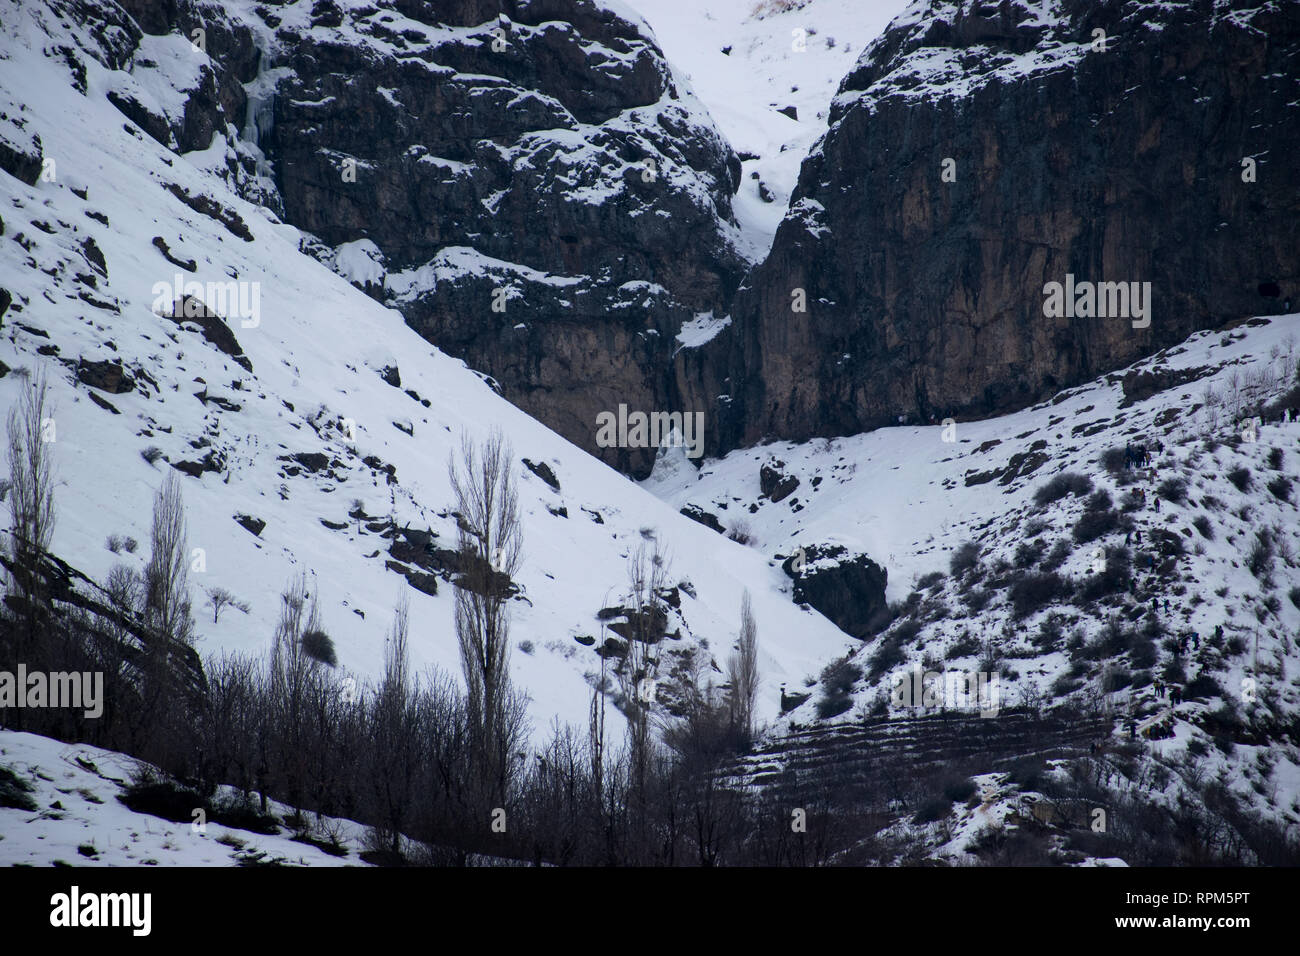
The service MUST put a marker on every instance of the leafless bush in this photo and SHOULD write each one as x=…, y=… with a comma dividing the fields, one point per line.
x=219, y=599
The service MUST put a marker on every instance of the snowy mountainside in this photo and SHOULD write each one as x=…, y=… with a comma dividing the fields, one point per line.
x=1023, y=547
x=749, y=62
x=977, y=152
x=540, y=197
x=291, y=409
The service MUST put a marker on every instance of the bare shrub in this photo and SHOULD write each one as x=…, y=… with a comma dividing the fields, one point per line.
x=1036, y=590
x=319, y=646
x=966, y=557
x=1173, y=489
x=837, y=680
x=1059, y=486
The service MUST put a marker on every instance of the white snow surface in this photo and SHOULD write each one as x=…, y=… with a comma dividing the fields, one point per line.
x=360, y=261
x=313, y=353
x=762, y=74
x=900, y=496
x=79, y=821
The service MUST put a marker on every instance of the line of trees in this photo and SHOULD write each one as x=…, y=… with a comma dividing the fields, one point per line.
x=137, y=629
x=437, y=770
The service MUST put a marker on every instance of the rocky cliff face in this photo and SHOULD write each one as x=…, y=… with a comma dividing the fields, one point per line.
x=544, y=201
x=1102, y=140
x=528, y=184
x=523, y=180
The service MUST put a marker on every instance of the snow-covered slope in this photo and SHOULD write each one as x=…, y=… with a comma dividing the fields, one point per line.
x=748, y=60
x=82, y=255
x=1089, y=597
x=71, y=816
x=909, y=495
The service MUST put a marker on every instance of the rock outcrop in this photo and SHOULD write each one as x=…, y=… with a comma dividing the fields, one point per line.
x=848, y=589
x=979, y=151
x=548, y=204
x=530, y=186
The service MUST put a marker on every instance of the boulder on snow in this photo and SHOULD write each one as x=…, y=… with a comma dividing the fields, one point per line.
x=543, y=471
x=706, y=518
x=774, y=482
x=848, y=589
x=107, y=376
x=21, y=155
x=253, y=525
x=214, y=328
x=143, y=115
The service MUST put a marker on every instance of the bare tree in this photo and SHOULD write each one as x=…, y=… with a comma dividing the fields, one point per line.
x=162, y=723
x=166, y=578
x=393, y=737
x=31, y=499
x=299, y=613
x=647, y=619
x=219, y=598
x=490, y=554
x=291, y=673
x=596, y=722
x=742, y=671
x=397, y=668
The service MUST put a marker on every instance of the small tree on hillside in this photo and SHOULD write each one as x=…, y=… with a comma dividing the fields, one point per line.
x=490, y=554
x=31, y=501
x=166, y=578
x=647, y=615
x=742, y=672
x=393, y=737
x=163, y=722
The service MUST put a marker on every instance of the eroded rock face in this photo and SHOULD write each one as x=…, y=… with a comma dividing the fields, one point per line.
x=774, y=482
x=547, y=204
x=925, y=297
x=538, y=198
x=848, y=589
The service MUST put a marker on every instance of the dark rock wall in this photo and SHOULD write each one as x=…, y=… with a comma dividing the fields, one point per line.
x=925, y=297
x=550, y=207
x=555, y=160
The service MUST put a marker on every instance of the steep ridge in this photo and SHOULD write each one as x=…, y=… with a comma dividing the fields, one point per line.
x=767, y=71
